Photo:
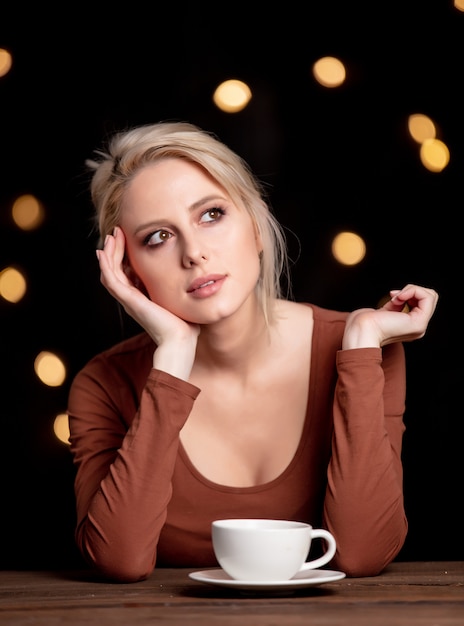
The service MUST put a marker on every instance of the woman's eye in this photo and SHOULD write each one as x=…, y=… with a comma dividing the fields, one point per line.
x=212, y=215
x=156, y=238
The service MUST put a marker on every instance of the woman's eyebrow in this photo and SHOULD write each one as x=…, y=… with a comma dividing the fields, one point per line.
x=196, y=205
x=204, y=200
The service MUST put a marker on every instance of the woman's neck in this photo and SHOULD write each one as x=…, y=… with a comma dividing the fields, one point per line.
x=235, y=343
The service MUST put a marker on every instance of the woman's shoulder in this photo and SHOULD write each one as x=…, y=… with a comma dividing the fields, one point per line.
x=132, y=354
x=327, y=315
x=304, y=309
x=300, y=319
x=134, y=344
x=115, y=376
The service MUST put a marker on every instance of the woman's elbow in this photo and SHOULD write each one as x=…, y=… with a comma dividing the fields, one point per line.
x=115, y=568
x=365, y=561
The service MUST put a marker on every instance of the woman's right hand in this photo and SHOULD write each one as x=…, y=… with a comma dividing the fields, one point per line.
x=176, y=340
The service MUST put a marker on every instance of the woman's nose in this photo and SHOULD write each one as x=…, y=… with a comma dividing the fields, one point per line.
x=193, y=254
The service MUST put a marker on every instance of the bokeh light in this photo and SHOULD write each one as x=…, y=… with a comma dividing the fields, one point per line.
x=6, y=61
x=27, y=212
x=329, y=72
x=348, y=248
x=12, y=284
x=421, y=127
x=232, y=96
x=61, y=427
x=50, y=369
x=434, y=155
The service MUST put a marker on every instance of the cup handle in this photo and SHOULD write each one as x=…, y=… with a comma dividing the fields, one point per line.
x=317, y=533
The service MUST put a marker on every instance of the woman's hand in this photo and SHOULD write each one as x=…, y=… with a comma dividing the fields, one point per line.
x=404, y=317
x=176, y=339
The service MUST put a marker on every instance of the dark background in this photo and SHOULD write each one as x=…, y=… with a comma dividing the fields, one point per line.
x=330, y=159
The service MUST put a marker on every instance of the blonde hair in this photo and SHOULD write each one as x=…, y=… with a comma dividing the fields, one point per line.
x=133, y=149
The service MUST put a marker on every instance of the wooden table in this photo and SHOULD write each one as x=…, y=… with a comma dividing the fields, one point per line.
x=412, y=594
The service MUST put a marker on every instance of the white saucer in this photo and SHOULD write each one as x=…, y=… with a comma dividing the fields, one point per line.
x=306, y=578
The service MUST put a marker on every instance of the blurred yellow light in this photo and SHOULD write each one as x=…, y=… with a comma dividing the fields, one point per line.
x=421, y=127
x=61, y=427
x=434, y=155
x=6, y=62
x=27, y=212
x=459, y=4
x=50, y=369
x=329, y=72
x=232, y=96
x=12, y=284
x=348, y=248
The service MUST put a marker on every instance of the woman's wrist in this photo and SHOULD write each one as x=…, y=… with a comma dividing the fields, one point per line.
x=357, y=336
x=175, y=360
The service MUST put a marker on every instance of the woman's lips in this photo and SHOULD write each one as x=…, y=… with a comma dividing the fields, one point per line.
x=206, y=286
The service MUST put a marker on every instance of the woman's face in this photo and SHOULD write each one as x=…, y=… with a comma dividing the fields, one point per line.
x=194, y=250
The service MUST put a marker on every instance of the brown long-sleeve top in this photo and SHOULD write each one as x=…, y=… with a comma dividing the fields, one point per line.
x=141, y=502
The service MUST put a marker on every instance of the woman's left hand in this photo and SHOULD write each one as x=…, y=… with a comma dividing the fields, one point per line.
x=404, y=317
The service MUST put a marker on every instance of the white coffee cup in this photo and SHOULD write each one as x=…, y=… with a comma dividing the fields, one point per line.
x=267, y=549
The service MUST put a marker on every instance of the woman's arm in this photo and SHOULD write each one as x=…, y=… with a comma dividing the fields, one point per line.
x=176, y=340
x=124, y=457
x=364, y=506
x=364, y=502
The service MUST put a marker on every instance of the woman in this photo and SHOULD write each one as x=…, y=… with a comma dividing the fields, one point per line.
x=234, y=402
